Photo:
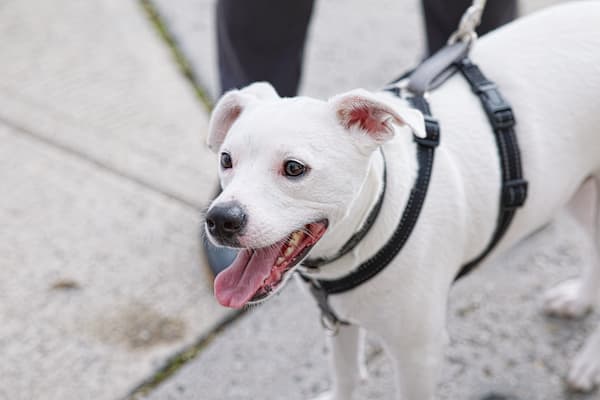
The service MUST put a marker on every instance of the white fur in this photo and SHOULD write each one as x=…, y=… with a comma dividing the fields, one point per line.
x=548, y=68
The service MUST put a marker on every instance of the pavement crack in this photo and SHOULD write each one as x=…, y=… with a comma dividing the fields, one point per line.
x=177, y=361
x=176, y=52
x=101, y=165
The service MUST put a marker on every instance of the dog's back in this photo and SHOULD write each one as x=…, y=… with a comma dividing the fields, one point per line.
x=547, y=66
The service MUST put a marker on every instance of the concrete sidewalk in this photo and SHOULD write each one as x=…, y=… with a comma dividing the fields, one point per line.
x=103, y=173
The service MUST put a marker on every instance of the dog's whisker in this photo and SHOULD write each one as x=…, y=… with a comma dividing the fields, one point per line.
x=308, y=233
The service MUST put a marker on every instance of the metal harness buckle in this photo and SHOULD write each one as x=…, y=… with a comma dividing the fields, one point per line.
x=468, y=22
x=329, y=320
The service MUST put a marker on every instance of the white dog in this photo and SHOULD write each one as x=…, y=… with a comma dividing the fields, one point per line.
x=301, y=174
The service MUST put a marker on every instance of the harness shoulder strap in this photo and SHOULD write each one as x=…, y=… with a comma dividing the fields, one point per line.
x=514, y=188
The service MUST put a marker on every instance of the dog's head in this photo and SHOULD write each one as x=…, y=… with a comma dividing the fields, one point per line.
x=289, y=168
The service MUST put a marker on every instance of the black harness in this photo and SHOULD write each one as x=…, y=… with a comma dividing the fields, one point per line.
x=513, y=193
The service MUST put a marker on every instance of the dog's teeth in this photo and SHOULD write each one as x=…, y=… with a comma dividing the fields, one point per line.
x=288, y=251
x=296, y=238
x=280, y=260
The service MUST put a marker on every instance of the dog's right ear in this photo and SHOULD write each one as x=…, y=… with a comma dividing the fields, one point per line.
x=230, y=107
x=361, y=110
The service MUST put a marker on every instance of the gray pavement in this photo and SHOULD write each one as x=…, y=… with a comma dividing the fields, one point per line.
x=103, y=172
x=96, y=79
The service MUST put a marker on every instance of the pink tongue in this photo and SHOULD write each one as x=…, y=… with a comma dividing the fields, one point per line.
x=235, y=286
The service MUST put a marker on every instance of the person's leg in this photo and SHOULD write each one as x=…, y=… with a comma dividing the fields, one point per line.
x=262, y=40
x=442, y=18
x=258, y=40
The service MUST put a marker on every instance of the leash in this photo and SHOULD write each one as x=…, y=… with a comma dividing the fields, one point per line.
x=468, y=22
x=436, y=69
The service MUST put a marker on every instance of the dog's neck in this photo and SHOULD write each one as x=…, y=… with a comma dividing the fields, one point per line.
x=358, y=211
x=400, y=158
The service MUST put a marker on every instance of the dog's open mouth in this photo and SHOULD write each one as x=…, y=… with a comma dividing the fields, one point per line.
x=256, y=273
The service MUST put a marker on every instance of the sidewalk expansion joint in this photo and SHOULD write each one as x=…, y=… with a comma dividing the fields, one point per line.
x=179, y=360
x=178, y=55
x=176, y=362
x=99, y=164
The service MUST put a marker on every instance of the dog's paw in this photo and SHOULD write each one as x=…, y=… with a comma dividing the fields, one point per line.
x=325, y=396
x=567, y=300
x=332, y=395
x=585, y=372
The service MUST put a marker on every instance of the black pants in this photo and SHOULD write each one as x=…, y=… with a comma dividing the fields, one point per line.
x=263, y=40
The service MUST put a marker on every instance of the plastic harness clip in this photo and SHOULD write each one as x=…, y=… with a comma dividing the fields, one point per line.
x=497, y=109
x=514, y=193
x=432, y=128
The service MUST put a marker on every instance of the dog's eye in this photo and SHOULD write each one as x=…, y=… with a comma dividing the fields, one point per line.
x=226, y=160
x=294, y=168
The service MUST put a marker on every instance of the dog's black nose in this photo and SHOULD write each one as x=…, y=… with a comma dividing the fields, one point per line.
x=225, y=221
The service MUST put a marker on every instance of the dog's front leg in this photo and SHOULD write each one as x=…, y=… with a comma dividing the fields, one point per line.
x=414, y=338
x=416, y=368
x=347, y=359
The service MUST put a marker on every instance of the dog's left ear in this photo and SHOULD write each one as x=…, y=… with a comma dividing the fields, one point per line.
x=230, y=107
x=364, y=111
